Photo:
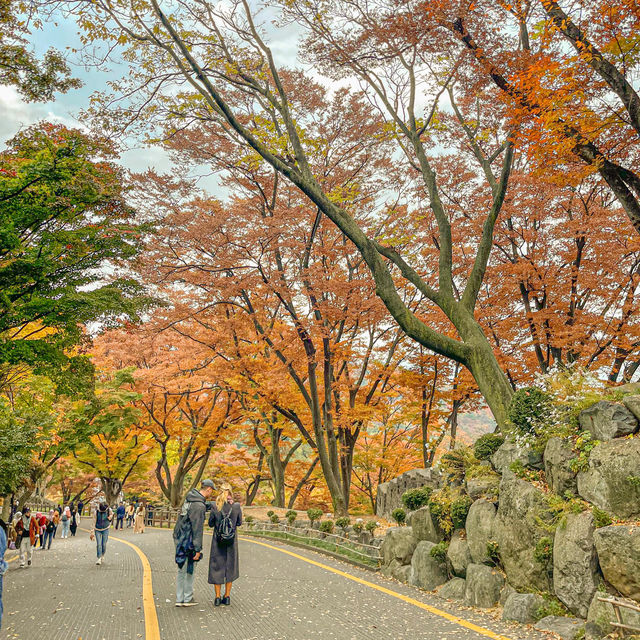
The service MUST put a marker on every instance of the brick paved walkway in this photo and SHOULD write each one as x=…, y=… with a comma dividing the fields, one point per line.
x=64, y=596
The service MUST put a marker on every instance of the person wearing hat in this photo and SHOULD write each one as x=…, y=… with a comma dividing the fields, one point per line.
x=187, y=537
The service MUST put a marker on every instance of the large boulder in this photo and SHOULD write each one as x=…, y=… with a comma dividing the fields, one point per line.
x=483, y=586
x=575, y=563
x=522, y=607
x=612, y=481
x=607, y=420
x=479, y=528
x=424, y=526
x=483, y=486
x=618, y=550
x=458, y=554
x=557, y=470
x=566, y=628
x=389, y=496
x=632, y=403
x=452, y=590
x=399, y=544
x=426, y=571
x=510, y=452
x=517, y=529
x=601, y=615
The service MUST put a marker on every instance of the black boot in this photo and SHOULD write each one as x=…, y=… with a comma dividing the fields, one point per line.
x=217, y=602
x=226, y=600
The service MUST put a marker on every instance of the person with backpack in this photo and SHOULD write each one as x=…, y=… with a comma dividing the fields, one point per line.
x=73, y=523
x=101, y=524
x=225, y=518
x=187, y=537
x=65, y=518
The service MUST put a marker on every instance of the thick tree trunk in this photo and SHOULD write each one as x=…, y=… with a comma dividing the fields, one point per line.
x=301, y=484
x=111, y=487
x=6, y=507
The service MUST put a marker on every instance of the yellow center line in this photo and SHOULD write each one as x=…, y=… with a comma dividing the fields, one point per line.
x=416, y=603
x=151, y=626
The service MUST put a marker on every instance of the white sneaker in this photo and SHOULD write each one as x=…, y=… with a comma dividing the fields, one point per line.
x=99, y=561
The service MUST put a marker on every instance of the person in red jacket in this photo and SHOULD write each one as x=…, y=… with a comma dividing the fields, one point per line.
x=28, y=530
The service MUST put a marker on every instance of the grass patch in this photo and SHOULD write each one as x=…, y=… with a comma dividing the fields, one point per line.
x=318, y=544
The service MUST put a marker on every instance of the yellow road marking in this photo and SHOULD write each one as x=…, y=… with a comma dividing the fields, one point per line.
x=433, y=610
x=151, y=626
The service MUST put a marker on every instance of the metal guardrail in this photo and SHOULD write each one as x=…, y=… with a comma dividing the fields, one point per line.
x=620, y=627
x=374, y=554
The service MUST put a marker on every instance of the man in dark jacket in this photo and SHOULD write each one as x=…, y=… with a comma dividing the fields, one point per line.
x=193, y=511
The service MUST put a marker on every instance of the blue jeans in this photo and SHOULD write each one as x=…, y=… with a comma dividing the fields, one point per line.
x=48, y=537
x=120, y=522
x=101, y=542
x=0, y=601
x=65, y=528
x=184, y=584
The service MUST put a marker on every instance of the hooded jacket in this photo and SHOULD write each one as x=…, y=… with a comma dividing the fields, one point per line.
x=194, y=508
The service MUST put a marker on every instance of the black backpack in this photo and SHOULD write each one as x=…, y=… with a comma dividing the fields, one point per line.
x=183, y=537
x=225, y=531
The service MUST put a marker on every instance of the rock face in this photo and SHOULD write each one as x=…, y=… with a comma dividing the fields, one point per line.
x=522, y=607
x=483, y=486
x=389, y=495
x=479, y=528
x=424, y=526
x=458, y=554
x=426, y=572
x=618, y=550
x=601, y=615
x=607, y=420
x=399, y=545
x=566, y=628
x=483, y=585
x=557, y=456
x=509, y=452
x=611, y=482
x=575, y=563
x=452, y=590
x=517, y=530
x=633, y=404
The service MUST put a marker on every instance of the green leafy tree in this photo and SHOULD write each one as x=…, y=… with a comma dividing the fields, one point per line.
x=65, y=232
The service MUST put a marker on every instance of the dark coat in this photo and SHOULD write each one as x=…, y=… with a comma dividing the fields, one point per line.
x=194, y=507
x=223, y=561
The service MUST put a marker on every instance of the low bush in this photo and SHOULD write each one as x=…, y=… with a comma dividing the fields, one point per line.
x=584, y=445
x=291, y=516
x=274, y=518
x=459, y=510
x=358, y=527
x=485, y=446
x=249, y=519
x=415, y=498
x=455, y=463
x=543, y=553
x=551, y=607
x=601, y=518
x=439, y=551
x=326, y=526
x=343, y=522
x=371, y=526
x=530, y=408
x=399, y=515
x=493, y=551
x=314, y=514
x=440, y=508
x=270, y=513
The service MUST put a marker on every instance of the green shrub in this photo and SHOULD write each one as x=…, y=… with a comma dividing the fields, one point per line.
x=601, y=518
x=416, y=498
x=326, y=526
x=459, y=510
x=249, y=519
x=634, y=481
x=493, y=551
x=551, y=607
x=358, y=527
x=343, y=522
x=440, y=508
x=399, y=515
x=455, y=463
x=485, y=446
x=584, y=445
x=270, y=513
x=291, y=516
x=543, y=553
x=274, y=518
x=529, y=409
x=314, y=514
x=439, y=551
x=371, y=526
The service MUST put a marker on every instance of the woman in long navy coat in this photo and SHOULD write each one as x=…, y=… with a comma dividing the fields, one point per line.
x=223, y=560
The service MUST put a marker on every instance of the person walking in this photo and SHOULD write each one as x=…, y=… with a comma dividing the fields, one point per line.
x=138, y=520
x=73, y=524
x=3, y=563
x=49, y=528
x=80, y=508
x=101, y=524
x=131, y=510
x=41, y=519
x=56, y=521
x=120, y=513
x=225, y=518
x=27, y=529
x=65, y=518
x=187, y=537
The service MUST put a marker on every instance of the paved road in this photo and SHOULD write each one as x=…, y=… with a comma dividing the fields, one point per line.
x=283, y=593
